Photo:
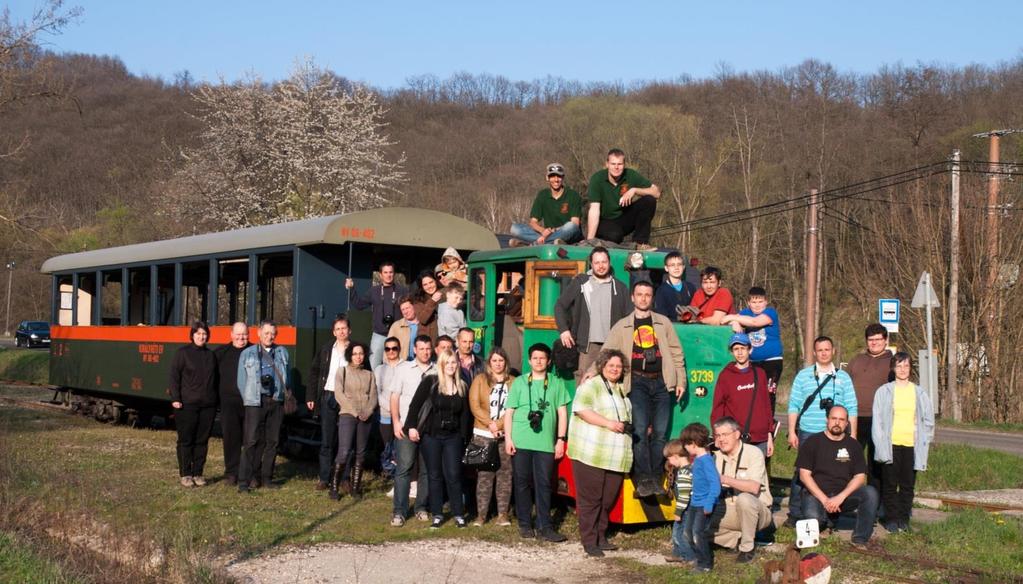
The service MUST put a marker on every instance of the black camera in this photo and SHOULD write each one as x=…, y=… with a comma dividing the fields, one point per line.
x=745, y=437
x=267, y=381
x=535, y=418
x=827, y=403
x=388, y=319
x=628, y=428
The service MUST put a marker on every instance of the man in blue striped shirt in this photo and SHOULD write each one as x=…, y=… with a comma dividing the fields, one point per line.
x=814, y=391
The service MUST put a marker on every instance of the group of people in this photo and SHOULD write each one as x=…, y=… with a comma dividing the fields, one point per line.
x=621, y=202
x=432, y=397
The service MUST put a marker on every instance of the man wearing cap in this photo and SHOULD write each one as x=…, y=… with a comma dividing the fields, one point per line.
x=741, y=394
x=622, y=201
x=555, y=216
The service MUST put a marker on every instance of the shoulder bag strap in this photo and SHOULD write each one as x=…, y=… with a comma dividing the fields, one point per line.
x=753, y=402
x=813, y=396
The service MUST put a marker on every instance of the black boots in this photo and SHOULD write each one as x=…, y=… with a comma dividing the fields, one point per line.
x=335, y=479
x=357, y=479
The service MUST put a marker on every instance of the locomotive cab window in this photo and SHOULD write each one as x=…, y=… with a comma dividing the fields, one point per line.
x=276, y=288
x=195, y=290
x=232, y=290
x=110, y=298
x=63, y=302
x=166, y=292
x=542, y=287
x=139, y=295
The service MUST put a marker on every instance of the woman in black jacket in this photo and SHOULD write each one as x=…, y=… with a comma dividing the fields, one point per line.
x=439, y=418
x=193, y=391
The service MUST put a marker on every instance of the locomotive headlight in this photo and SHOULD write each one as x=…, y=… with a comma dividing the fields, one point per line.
x=34, y=336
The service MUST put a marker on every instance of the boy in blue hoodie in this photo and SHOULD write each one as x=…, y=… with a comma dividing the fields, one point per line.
x=706, y=489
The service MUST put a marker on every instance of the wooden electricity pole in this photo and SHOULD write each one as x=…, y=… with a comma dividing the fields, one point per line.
x=952, y=339
x=811, y=280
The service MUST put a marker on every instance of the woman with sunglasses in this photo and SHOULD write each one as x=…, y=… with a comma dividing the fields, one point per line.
x=385, y=377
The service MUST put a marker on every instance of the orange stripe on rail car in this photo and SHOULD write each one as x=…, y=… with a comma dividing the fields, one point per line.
x=219, y=335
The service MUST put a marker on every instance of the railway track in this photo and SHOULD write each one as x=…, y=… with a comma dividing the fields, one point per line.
x=951, y=574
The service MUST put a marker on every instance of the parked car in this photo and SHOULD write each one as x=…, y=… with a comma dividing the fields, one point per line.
x=32, y=333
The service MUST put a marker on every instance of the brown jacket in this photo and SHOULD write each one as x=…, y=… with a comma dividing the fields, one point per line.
x=426, y=314
x=355, y=391
x=673, y=362
x=479, y=400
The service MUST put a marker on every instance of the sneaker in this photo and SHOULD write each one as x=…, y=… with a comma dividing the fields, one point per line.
x=321, y=486
x=516, y=243
x=477, y=522
x=268, y=484
x=673, y=559
x=700, y=569
x=460, y=522
x=437, y=522
x=199, y=481
x=230, y=480
x=593, y=551
x=744, y=557
x=422, y=516
x=413, y=489
x=243, y=488
x=607, y=546
x=552, y=536
x=187, y=482
x=390, y=494
x=559, y=241
x=860, y=545
x=527, y=533
x=502, y=520
x=790, y=521
x=645, y=247
x=397, y=521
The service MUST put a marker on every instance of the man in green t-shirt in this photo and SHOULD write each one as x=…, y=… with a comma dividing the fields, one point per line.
x=622, y=201
x=535, y=430
x=556, y=214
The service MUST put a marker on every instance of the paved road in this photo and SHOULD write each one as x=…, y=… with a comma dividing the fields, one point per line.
x=1005, y=442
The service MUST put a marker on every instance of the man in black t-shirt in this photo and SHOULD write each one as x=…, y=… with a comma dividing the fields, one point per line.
x=657, y=372
x=833, y=470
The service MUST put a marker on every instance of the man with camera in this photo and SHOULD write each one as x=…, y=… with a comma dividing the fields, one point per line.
x=745, y=490
x=383, y=298
x=263, y=378
x=741, y=394
x=814, y=391
x=322, y=372
x=657, y=370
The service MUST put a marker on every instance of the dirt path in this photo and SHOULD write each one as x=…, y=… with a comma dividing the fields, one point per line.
x=434, y=561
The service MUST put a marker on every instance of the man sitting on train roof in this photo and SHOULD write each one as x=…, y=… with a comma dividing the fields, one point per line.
x=711, y=302
x=558, y=208
x=622, y=201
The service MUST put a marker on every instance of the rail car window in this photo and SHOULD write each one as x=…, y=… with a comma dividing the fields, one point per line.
x=110, y=298
x=232, y=290
x=195, y=287
x=165, y=294
x=139, y=293
x=275, y=288
x=86, y=293
x=64, y=300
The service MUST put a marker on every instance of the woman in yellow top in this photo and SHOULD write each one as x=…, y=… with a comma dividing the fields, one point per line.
x=902, y=431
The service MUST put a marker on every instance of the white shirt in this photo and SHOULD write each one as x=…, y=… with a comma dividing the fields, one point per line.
x=406, y=382
x=337, y=359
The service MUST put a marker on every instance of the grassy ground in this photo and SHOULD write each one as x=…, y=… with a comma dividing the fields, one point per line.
x=28, y=365
x=982, y=425
x=20, y=562
x=63, y=477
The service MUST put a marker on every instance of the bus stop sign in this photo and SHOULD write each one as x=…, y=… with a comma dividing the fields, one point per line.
x=888, y=313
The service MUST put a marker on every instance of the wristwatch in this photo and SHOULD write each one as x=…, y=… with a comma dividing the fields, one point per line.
x=563, y=438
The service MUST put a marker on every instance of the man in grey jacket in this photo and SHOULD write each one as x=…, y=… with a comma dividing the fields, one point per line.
x=588, y=306
x=262, y=380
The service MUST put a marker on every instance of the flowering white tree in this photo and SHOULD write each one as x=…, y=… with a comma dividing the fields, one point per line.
x=305, y=147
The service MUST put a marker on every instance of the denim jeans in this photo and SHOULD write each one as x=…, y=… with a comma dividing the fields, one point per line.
x=701, y=536
x=681, y=536
x=651, y=404
x=534, y=473
x=863, y=501
x=405, y=454
x=443, y=455
x=796, y=489
x=569, y=233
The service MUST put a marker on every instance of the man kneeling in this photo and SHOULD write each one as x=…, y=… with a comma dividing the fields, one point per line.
x=833, y=470
x=744, y=489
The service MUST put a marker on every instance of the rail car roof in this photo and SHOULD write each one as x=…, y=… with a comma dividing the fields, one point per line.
x=388, y=226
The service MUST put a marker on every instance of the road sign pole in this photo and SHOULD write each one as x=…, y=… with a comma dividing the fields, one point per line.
x=932, y=382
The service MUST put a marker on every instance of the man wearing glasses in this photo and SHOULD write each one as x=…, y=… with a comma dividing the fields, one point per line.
x=555, y=216
x=744, y=490
x=385, y=378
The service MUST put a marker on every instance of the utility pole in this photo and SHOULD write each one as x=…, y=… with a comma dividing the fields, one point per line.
x=811, y=280
x=10, y=279
x=952, y=339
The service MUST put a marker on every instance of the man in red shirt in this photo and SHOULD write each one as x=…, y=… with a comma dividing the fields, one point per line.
x=711, y=302
x=741, y=393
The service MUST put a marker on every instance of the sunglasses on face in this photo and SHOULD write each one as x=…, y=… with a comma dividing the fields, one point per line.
x=390, y=349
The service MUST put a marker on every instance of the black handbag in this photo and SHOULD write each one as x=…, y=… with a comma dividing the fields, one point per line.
x=482, y=456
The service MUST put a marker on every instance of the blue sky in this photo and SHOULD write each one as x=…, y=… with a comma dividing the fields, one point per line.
x=383, y=43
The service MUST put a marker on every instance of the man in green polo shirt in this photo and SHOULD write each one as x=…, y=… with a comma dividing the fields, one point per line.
x=622, y=201
x=556, y=214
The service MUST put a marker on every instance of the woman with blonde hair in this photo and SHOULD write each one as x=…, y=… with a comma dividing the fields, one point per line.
x=487, y=397
x=438, y=418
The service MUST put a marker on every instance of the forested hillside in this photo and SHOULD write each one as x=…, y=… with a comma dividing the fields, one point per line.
x=100, y=163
